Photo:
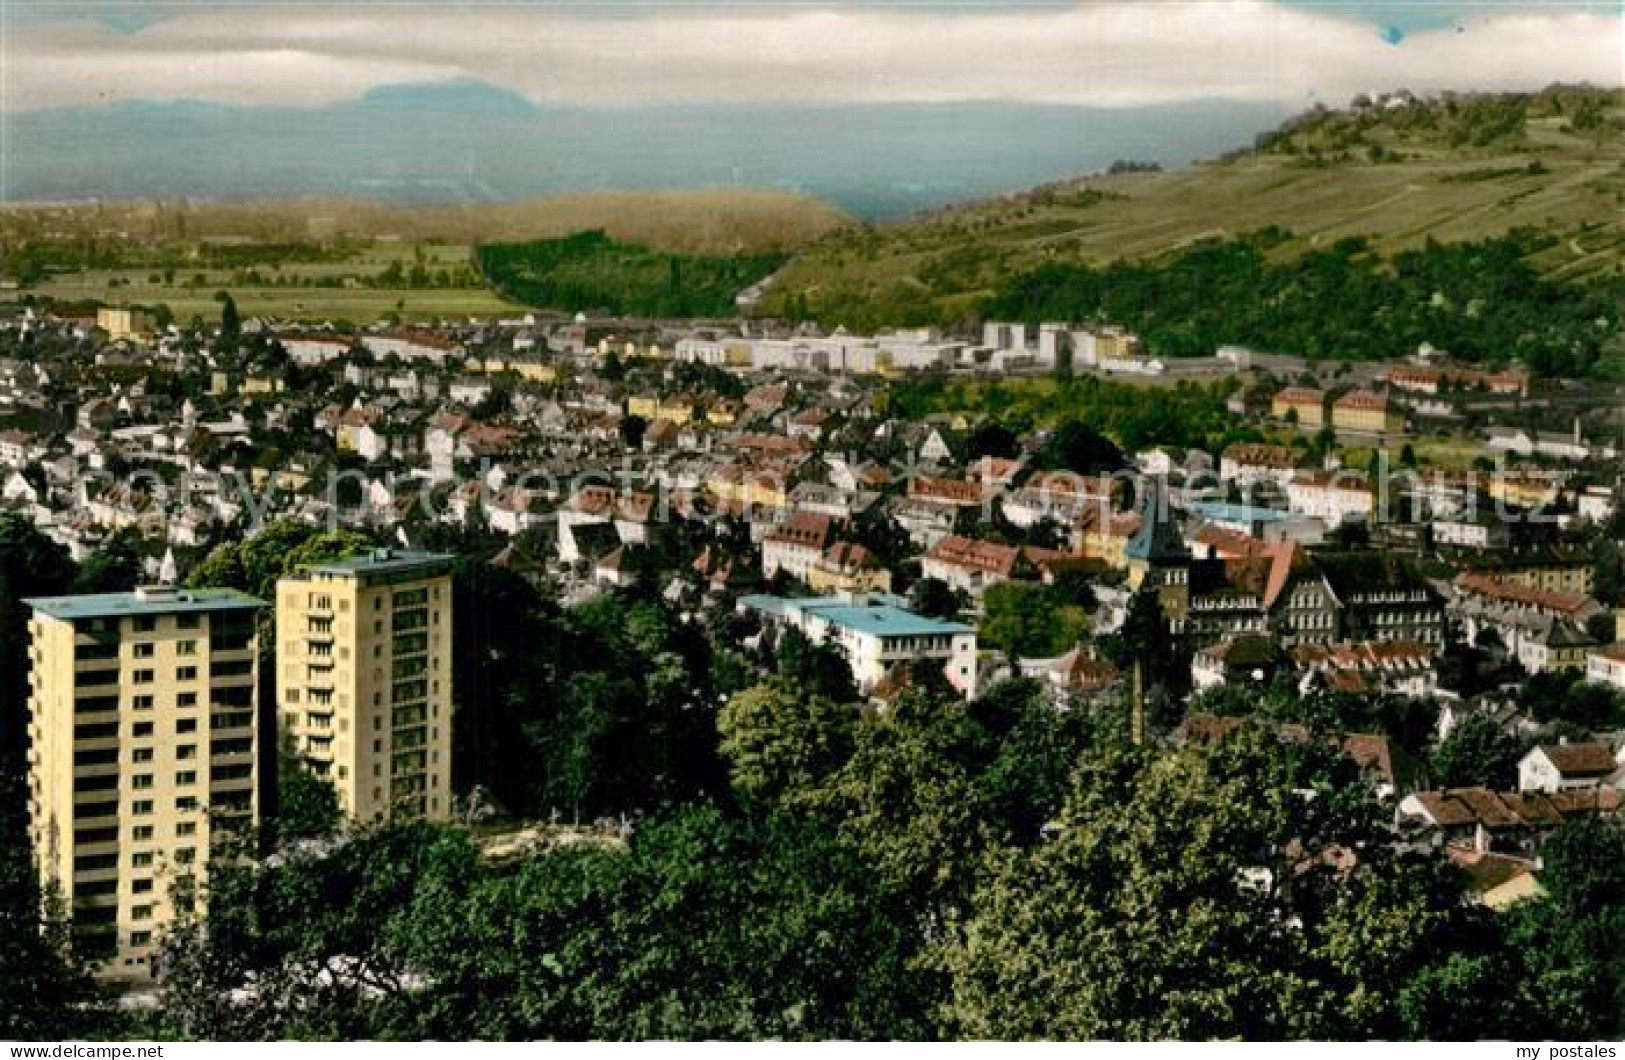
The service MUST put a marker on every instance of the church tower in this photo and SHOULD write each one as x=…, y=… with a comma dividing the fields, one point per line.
x=1158, y=559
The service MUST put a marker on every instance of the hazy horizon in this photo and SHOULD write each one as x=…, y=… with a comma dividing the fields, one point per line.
x=470, y=143
x=885, y=107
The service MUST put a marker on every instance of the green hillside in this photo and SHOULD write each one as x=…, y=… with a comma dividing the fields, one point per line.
x=1457, y=170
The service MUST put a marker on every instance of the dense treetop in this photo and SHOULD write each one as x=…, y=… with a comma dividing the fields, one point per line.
x=590, y=271
x=1482, y=302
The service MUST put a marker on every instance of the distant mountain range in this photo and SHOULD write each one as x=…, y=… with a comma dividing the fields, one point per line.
x=470, y=142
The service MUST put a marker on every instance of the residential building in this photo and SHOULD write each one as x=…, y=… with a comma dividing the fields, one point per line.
x=364, y=680
x=1248, y=464
x=1569, y=767
x=1335, y=497
x=1595, y=503
x=1606, y=666
x=848, y=567
x=1366, y=412
x=1543, y=628
x=123, y=323
x=797, y=544
x=1370, y=667
x=1525, y=488
x=1381, y=596
x=1430, y=379
x=971, y=565
x=1479, y=532
x=1547, y=570
x=1060, y=496
x=1507, y=822
x=412, y=344
x=143, y=750
x=1302, y=405
x=1497, y=881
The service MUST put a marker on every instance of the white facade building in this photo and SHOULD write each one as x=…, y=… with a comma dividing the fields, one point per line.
x=876, y=633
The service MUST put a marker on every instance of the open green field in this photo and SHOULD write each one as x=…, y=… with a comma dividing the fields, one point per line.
x=337, y=290
x=359, y=306
x=1554, y=161
x=730, y=221
x=319, y=259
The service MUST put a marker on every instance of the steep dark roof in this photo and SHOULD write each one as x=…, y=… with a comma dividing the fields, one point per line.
x=1364, y=572
x=1158, y=540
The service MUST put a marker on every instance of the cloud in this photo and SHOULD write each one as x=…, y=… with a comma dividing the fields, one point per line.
x=1093, y=54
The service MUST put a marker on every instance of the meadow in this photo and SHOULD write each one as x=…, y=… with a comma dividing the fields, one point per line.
x=347, y=289
x=357, y=261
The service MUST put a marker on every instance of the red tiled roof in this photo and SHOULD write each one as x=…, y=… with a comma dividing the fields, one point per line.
x=849, y=555
x=1257, y=454
x=1300, y=395
x=807, y=529
x=1362, y=400
x=1581, y=759
x=1226, y=544
x=971, y=554
x=426, y=339
x=1512, y=592
x=951, y=490
x=992, y=468
x=1487, y=870
x=1463, y=806
x=1343, y=481
x=1064, y=484
x=1365, y=655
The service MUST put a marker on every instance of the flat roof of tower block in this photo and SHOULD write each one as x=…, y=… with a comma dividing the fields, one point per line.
x=154, y=601
x=386, y=561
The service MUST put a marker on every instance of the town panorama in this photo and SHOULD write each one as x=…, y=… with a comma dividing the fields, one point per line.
x=1175, y=596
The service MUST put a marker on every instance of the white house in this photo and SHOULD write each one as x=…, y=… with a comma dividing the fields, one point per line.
x=1595, y=503
x=797, y=544
x=875, y=633
x=1332, y=497
x=1249, y=463
x=1569, y=767
x=312, y=351
x=971, y=565
x=516, y=509
x=412, y=344
x=633, y=516
x=1606, y=666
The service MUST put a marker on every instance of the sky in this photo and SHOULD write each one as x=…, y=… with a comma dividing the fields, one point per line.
x=634, y=54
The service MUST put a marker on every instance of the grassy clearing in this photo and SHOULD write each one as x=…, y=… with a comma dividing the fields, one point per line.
x=192, y=292
x=366, y=260
x=685, y=222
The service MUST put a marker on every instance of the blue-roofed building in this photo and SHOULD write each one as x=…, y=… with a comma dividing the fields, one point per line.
x=1242, y=518
x=876, y=633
